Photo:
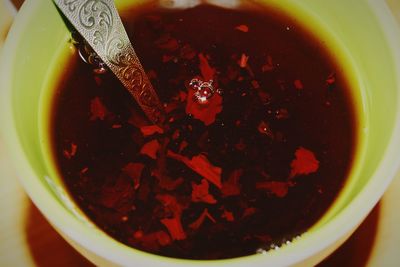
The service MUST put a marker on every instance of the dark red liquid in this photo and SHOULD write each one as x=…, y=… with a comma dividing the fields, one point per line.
x=280, y=137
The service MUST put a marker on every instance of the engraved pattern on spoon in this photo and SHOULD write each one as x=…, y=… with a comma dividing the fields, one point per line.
x=99, y=23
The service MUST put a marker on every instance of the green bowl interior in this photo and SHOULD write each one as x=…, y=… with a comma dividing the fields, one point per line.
x=41, y=52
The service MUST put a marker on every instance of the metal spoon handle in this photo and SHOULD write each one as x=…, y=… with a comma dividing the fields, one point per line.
x=100, y=25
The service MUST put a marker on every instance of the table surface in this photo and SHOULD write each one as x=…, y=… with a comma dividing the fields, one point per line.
x=27, y=239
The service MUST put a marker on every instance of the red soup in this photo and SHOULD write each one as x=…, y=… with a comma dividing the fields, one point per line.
x=259, y=143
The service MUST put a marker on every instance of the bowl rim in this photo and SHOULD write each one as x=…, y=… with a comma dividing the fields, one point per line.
x=121, y=254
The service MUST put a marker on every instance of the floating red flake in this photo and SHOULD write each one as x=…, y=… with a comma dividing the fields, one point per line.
x=116, y=126
x=171, y=204
x=138, y=234
x=255, y=84
x=298, y=85
x=279, y=189
x=268, y=66
x=176, y=134
x=243, y=61
x=249, y=211
x=150, y=130
x=97, y=109
x=242, y=28
x=167, y=182
x=183, y=145
x=202, y=166
x=200, y=193
x=228, y=215
x=304, y=163
x=168, y=43
x=205, y=112
x=71, y=152
x=231, y=187
x=152, y=240
x=137, y=120
x=175, y=228
x=84, y=170
x=331, y=79
x=206, y=70
x=174, y=224
x=197, y=223
x=134, y=170
x=150, y=149
x=264, y=128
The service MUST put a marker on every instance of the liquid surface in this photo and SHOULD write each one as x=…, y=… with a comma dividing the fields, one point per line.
x=247, y=169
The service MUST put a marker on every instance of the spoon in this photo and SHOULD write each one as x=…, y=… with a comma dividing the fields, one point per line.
x=100, y=25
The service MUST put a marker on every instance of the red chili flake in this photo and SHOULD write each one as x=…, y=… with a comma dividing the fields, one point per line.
x=200, y=193
x=168, y=43
x=171, y=203
x=163, y=238
x=231, y=187
x=202, y=166
x=151, y=129
x=138, y=234
x=134, y=170
x=71, y=152
x=204, y=112
x=153, y=240
x=150, y=149
x=176, y=134
x=197, y=223
x=279, y=189
x=97, y=109
x=137, y=120
x=255, y=84
x=175, y=228
x=243, y=61
x=249, y=211
x=228, y=215
x=206, y=70
x=166, y=182
x=298, y=85
x=183, y=145
x=84, y=170
x=264, y=128
x=268, y=66
x=242, y=28
x=304, y=163
x=116, y=126
x=331, y=79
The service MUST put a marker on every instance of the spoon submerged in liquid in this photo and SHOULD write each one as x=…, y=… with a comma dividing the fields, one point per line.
x=101, y=27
